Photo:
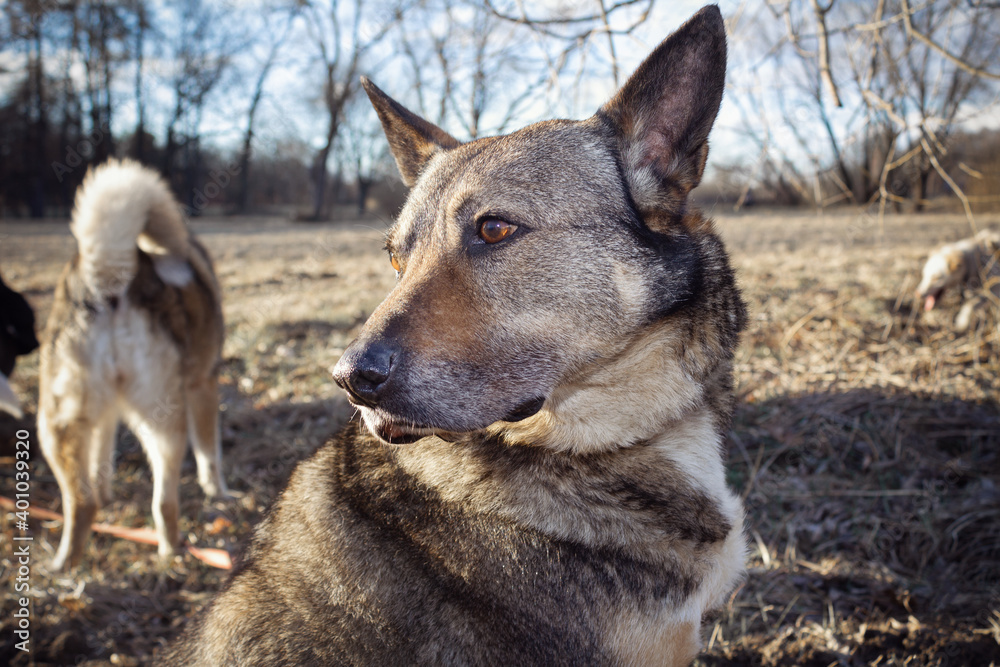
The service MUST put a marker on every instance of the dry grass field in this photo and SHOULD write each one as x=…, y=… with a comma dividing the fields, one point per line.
x=866, y=444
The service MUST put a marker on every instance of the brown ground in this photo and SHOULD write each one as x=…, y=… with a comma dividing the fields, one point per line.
x=867, y=444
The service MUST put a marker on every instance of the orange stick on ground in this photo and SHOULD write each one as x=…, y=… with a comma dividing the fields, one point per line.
x=215, y=557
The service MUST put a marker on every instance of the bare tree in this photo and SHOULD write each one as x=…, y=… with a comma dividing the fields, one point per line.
x=883, y=84
x=937, y=83
x=26, y=20
x=286, y=15
x=340, y=44
x=364, y=151
x=140, y=27
x=200, y=47
x=470, y=67
x=573, y=35
x=102, y=32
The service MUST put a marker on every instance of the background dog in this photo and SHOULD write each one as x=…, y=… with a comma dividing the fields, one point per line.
x=17, y=338
x=135, y=332
x=967, y=264
x=546, y=390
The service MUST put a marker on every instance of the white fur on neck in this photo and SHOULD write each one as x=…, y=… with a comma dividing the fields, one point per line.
x=613, y=404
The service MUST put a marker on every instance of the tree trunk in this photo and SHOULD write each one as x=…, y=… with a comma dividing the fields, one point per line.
x=36, y=195
x=243, y=197
x=364, y=185
x=169, y=154
x=171, y=147
x=106, y=147
x=920, y=195
x=319, y=177
x=139, y=146
x=319, y=167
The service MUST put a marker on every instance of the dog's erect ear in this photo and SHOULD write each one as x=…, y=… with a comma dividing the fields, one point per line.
x=664, y=112
x=411, y=138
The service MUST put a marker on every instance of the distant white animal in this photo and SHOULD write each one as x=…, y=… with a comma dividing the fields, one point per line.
x=970, y=263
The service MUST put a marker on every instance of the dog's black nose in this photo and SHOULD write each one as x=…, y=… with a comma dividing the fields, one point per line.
x=364, y=372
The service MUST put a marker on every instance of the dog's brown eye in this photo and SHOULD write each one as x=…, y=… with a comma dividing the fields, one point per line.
x=394, y=262
x=493, y=230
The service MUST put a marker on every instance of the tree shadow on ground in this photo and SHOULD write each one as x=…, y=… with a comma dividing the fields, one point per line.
x=874, y=519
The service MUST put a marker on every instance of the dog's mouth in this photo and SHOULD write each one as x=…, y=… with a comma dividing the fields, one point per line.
x=397, y=431
x=396, y=434
x=931, y=298
x=393, y=430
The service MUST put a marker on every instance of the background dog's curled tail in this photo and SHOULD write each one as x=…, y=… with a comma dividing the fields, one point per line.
x=118, y=202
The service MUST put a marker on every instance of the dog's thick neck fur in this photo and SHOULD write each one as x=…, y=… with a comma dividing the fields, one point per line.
x=661, y=501
x=670, y=489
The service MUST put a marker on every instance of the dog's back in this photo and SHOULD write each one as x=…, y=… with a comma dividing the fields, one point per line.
x=140, y=286
x=135, y=332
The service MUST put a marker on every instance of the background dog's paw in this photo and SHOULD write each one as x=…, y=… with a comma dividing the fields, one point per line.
x=60, y=564
x=215, y=489
x=166, y=550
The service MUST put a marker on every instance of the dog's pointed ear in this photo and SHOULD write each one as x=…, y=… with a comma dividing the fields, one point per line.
x=664, y=112
x=412, y=139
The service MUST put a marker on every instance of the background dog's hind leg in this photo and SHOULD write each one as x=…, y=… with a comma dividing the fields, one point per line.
x=163, y=436
x=102, y=454
x=203, y=430
x=66, y=450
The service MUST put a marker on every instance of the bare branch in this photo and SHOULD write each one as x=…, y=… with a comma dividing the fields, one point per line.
x=959, y=62
x=824, y=50
x=929, y=152
x=611, y=41
x=882, y=105
x=535, y=22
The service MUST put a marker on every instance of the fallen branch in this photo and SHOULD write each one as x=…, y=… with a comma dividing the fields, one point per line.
x=215, y=557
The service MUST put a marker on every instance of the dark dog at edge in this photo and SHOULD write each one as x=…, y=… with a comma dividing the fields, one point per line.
x=539, y=477
x=17, y=338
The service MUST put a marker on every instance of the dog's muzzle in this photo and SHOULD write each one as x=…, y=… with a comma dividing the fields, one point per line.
x=373, y=372
x=364, y=372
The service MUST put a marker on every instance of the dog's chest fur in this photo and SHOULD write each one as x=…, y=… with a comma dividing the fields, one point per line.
x=493, y=577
